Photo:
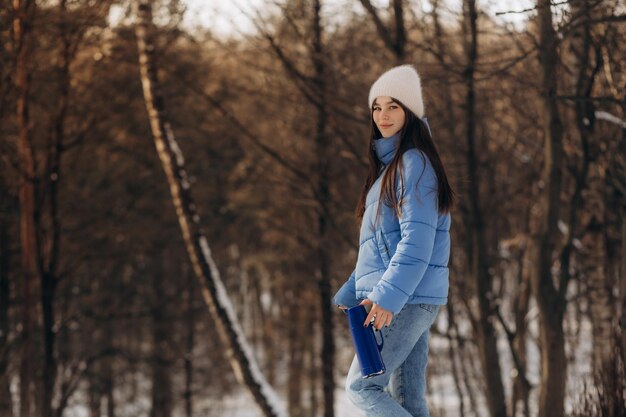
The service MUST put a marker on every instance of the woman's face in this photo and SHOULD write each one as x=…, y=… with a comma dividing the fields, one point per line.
x=388, y=116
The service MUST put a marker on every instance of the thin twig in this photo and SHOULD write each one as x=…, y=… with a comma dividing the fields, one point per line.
x=530, y=9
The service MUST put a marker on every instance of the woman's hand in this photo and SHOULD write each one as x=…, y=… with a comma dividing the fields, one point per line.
x=382, y=317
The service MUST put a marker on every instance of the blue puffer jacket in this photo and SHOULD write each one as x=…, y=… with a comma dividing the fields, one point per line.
x=401, y=260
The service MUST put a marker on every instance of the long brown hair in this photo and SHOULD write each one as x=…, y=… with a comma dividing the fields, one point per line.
x=414, y=133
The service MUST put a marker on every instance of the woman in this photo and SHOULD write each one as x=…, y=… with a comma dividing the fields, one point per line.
x=404, y=246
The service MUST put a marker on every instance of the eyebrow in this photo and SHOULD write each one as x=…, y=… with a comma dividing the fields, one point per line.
x=389, y=102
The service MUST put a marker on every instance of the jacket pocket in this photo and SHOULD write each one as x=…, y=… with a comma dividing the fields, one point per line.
x=382, y=248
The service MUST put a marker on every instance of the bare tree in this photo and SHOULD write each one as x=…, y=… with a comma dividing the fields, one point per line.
x=521, y=385
x=479, y=264
x=315, y=89
x=238, y=352
x=550, y=298
x=22, y=21
x=189, y=342
x=162, y=403
x=622, y=285
x=323, y=191
x=589, y=172
x=6, y=252
x=48, y=249
x=69, y=26
x=393, y=35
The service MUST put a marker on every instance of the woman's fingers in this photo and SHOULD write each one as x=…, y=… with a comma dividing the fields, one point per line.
x=370, y=316
x=385, y=320
x=381, y=316
x=388, y=320
x=380, y=320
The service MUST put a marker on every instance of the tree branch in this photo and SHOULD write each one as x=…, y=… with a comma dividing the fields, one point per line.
x=380, y=26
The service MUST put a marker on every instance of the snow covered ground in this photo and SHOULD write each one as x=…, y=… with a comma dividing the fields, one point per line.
x=442, y=396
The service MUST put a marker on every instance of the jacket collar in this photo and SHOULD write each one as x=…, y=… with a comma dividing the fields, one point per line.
x=386, y=148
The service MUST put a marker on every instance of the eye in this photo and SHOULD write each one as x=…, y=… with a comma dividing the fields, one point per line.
x=393, y=107
x=376, y=108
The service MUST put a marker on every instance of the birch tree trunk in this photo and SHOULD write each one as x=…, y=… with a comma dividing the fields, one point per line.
x=487, y=335
x=239, y=353
x=550, y=299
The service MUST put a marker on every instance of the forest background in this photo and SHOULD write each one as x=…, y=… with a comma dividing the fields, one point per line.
x=106, y=308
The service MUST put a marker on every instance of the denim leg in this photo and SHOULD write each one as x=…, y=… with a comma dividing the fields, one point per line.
x=406, y=330
x=408, y=383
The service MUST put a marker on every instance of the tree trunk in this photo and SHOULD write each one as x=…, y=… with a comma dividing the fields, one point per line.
x=601, y=301
x=521, y=389
x=6, y=403
x=464, y=376
x=109, y=370
x=487, y=336
x=296, y=359
x=400, y=44
x=323, y=193
x=48, y=284
x=452, y=335
x=162, y=401
x=94, y=388
x=594, y=164
x=468, y=371
x=21, y=28
x=190, y=321
x=48, y=222
x=550, y=300
x=394, y=38
x=239, y=353
x=622, y=286
x=311, y=363
x=441, y=47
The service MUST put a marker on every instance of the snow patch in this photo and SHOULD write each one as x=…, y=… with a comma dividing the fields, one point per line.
x=169, y=135
x=222, y=298
x=603, y=115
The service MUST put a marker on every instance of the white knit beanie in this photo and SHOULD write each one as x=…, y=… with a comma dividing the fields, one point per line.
x=403, y=84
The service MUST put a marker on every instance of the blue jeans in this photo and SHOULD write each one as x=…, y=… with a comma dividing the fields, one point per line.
x=401, y=390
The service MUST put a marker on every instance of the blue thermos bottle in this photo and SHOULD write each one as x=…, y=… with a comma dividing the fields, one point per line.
x=367, y=349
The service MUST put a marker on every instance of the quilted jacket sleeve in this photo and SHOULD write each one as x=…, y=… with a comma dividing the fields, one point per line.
x=418, y=225
x=346, y=296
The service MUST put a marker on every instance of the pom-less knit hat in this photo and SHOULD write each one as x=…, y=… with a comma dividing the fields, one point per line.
x=403, y=84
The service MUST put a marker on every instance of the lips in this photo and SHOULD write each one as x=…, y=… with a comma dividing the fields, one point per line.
x=385, y=126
